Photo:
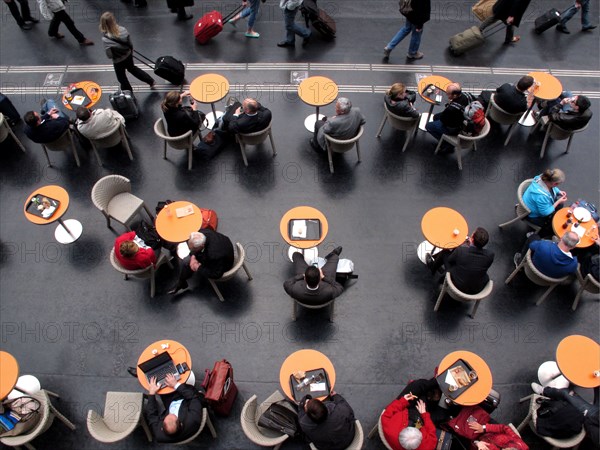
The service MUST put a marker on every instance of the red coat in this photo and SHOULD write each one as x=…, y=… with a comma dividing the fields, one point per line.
x=501, y=436
x=395, y=419
x=142, y=259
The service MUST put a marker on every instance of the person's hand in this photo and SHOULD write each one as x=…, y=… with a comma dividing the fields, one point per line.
x=418, y=30
x=410, y=396
x=510, y=20
x=194, y=264
x=476, y=427
x=482, y=446
x=153, y=388
x=185, y=94
x=54, y=116
x=578, y=4
x=53, y=111
x=170, y=380
x=421, y=407
x=239, y=111
x=322, y=274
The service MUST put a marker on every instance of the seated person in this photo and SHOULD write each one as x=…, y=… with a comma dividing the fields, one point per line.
x=246, y=117
x=182, y=413
x=543, y=198
x=450, y=120
x=97, y=124
x=344, y=125
x=512, y=98
x=328, y=424
x=568, y=112
x=407, y=428
x=589, y=259
x=132, y=253
x=47, y=126
x=311, y=285
x=495, y=436
x=552, y=259
x=400, y=101
x=468, y=264
x=181, y=119
x=211, y=256
x=11, y=115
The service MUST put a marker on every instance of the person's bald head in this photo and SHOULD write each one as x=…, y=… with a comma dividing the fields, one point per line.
x=250, y=105
x=171, y=424
x=453, y=90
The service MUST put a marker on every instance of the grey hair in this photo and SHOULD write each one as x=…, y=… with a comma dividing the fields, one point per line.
x=344, y=104
x=196, y=240
x=570, y=239
x=410, y=438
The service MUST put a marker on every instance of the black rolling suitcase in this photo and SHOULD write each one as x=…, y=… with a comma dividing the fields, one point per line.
x=547, y=20
x=320, y=20
x=125, y=103
x=166, y=67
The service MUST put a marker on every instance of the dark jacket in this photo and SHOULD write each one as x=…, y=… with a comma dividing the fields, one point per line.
x=250, y=124
x=182, y=119
x=510, y=99
x=453, y=115
x=179, y=3
x=336, y=432
x=327, y=290
x=216, y=257
x=402, y=107
x=550, y=260
x=503, y=9
x=48, y=131
x=570, y=120
x=468, y=266
x=420, y=13
x=190, y=413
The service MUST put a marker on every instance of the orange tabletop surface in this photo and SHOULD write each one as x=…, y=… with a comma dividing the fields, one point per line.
x=550, y=87
x=438, y=226
x=92, y=89
x=317, y=91
x=303, y=212
x=177, y=351
x=304, y=360
x=52, y=191
x=9, y=373
x=578, y=357
x=560, y=218
x=438, y=81
x=209, y=88
x=177, y=229
x=479, y=390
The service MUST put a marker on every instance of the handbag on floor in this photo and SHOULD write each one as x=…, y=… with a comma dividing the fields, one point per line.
x=221, y=390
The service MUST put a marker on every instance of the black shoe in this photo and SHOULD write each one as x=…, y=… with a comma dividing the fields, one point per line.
x=285, y=44
x=589, y=28
x=185, y=17
x=132, y=371
x=305, y=41
x=430, y=262
x=316, y=147
x=562, y=29
x=335, y=251
x=179, y=288
x=32, y=20
x=25, y=26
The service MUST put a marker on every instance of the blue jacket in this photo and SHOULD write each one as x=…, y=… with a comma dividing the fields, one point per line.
x=551, y=260
x=539, y=200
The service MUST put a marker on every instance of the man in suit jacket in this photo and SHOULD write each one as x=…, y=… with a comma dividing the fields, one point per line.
x=329, y=424
x=513, y=98
x=311, y=285
x=182, y=413
x=47, y=126
x=211, y=256
x=344, y=125
x=572, y=113
x=467, y=264
x=246, y=117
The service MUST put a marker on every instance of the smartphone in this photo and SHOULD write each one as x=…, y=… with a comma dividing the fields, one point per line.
x=182, y=368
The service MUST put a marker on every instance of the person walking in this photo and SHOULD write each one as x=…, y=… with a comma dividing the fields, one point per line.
x=584, y=6
x=417, y=13
x=250, y=11
x=290, y=9
x=56, y=12
x=510, y=12
x=23, y=17
x=119, y=48
x=178, y=6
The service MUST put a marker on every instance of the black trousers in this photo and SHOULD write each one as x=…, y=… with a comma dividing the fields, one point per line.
x=121, y=69
x=62, y=17
x=23, y=15
x=9, y=110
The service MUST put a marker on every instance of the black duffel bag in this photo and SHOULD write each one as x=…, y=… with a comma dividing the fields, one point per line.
x=279, y=418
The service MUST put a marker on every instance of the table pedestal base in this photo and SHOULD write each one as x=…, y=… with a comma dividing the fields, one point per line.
x=68, y=231
x=425, y=117
x=310, y=121
x=212, y=118
x=310, y=254
x=527, y=120
x=426, y=247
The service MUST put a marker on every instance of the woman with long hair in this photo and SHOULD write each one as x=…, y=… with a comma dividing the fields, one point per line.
x=181, y=119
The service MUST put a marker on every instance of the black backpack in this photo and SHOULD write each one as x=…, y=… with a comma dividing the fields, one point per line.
x=558, y=419
x=279, y=418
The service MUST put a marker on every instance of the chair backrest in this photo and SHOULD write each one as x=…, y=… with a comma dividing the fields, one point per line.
x=61, y=143
x=4, y=128
x=341, y=146
x=115, y=136
x=500, y=116
x=359, y=437
x=140, y=273
x=255, y=138
x=122, y=410
x=399, y=122
x=520, y=191
x=484, y=132
x=457, y=294
x=197, y=433
x=107, y=187
x=589, y=283
x=559, y=134
x=238, y=260
x=178, y=142
x=556, y=443
x=538, y=277
x=381, y=435
x=46, y=419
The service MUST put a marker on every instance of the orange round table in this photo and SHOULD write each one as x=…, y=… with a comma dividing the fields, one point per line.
x=9, y=373
x=317, y=91
x=578, y=357
x=479, y=390
x=210, y=88
x=439, y=226
x=309, y=247
x=177, y=351
x=177, y=229
x=560, y=218
x=92, y=90
x=69, y=230
x=304, y=360
x=439, y=82
x=547, y=87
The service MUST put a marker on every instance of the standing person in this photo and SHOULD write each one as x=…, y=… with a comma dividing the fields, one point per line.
x=584, y=6
x=510, y=12
x=23, y=16
x=178, y=6
x=119, y=48
x=59, y=15
x=415, y=20
x=251, y=12
x=290, y=9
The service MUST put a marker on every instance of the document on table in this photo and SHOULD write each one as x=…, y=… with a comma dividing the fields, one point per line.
x=299, y=229
x=184, y=211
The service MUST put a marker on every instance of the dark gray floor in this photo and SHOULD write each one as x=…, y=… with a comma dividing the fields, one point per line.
x=72, y=321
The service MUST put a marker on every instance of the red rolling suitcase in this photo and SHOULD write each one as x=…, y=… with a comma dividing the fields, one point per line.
x=211, y=24
x=221, y=390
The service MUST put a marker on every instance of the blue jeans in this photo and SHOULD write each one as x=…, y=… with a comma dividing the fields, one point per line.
x=415, y=38
x=49, y=105
x=251, y=11
x=292, y=28
x=585, y=14
x=437, y=128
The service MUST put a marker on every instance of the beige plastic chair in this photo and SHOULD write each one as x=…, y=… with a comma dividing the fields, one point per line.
x=356, y=443
x=462, y=142
x=238, y=263
x=555, y=132
x=112, y=195
x=204, y=423
x=6, y=130
x=589, y=284
x=183, y=142
x=251, y=412
x=123, y=413
x=538, y=277
x=502, y=117
x=521, y=208
x=117, y=135
x=330, y=305
x=341, y=146
x=531, y=419
x=408, y=124
x=148, y=272
x=449, y=288
x=48, y=412
x=255, y=139
x=379, y=428
x=62, y=144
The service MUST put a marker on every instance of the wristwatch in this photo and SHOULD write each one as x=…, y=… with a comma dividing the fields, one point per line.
x=484, y=430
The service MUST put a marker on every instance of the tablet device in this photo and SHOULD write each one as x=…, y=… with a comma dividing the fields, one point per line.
x=318, y=388
x=42, y=206
x=459, y=377
x=304, y=229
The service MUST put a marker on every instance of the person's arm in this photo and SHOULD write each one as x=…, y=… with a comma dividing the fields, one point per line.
x=335, y=288
x=515, y=439
x=149, y=256
x=289, y=284
x=152, y=407
x=394, y=408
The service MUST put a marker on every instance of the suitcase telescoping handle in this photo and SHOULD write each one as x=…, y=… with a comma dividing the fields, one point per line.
x=143, y=59
x=491, y=31
x=233, y=13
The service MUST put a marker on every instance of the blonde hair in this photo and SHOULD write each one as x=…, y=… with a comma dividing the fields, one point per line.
x=396, y=89
x=171, y=100
x=108, y=24
x=128, y=249
x=553, y=176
